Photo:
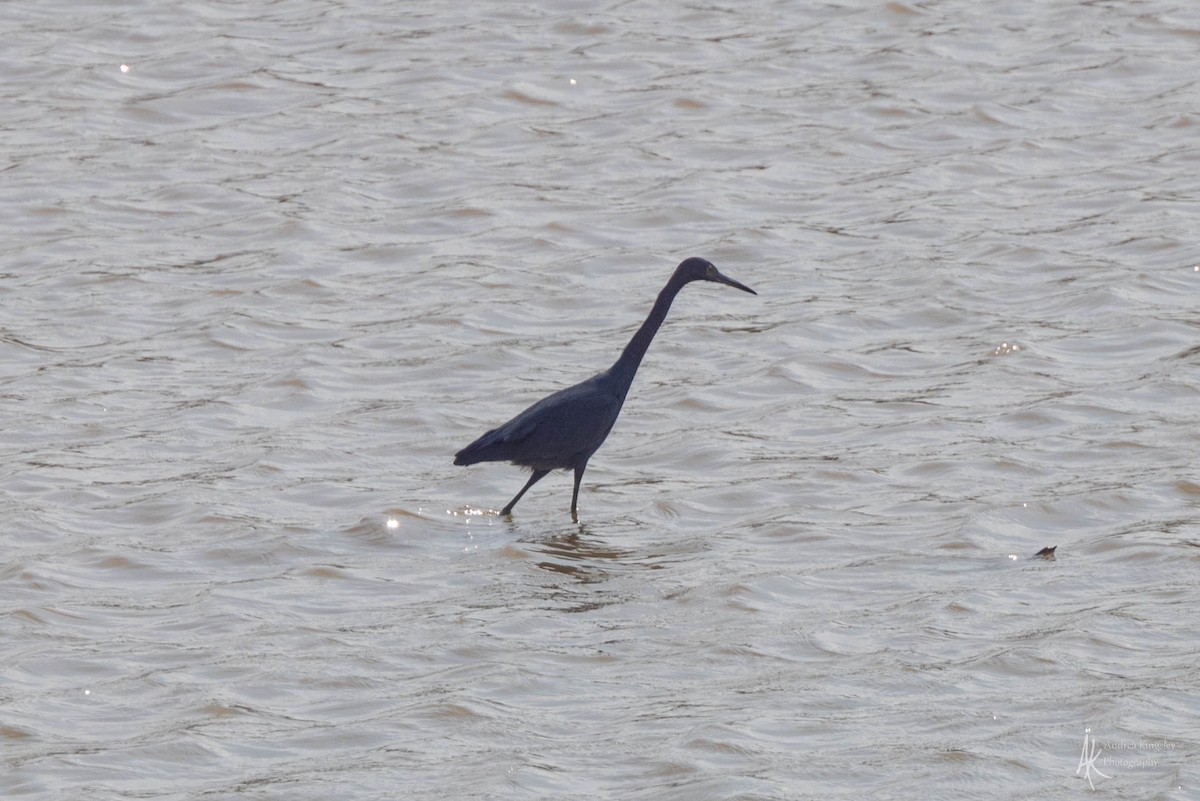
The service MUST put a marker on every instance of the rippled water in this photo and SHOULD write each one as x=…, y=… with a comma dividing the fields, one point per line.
x=265, y=267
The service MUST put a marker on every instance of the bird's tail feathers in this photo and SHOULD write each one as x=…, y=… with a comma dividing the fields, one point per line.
x=477, y=451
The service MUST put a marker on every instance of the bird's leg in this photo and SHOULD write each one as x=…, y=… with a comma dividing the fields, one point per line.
x=537, y=476
x=579, y=468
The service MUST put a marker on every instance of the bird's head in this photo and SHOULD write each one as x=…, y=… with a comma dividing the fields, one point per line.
x=698, y=269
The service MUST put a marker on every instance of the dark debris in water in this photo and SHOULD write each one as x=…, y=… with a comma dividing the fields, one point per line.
x=1047, y=553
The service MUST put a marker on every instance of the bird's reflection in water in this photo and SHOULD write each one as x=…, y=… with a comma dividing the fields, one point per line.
x=578, y=556
x=579, y=563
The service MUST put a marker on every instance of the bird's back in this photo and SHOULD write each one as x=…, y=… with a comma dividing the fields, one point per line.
x=556, y=432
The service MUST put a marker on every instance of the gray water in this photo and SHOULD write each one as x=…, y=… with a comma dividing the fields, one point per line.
x=264, y=267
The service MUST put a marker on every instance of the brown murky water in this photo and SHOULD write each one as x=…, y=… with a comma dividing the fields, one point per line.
x=266, y=266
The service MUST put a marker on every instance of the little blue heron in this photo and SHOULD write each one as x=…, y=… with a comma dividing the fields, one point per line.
x=563, y=430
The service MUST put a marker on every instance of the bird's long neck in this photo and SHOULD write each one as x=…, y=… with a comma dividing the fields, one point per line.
x=626, y=367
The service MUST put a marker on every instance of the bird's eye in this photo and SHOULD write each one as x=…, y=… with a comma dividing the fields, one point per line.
x=710, y=271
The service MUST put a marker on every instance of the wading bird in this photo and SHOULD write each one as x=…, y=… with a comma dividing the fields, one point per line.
x=563, y=430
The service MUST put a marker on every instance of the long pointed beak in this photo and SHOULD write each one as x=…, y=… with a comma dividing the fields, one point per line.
x=724, y=279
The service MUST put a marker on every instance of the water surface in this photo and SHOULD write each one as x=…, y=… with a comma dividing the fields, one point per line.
x=264, y=267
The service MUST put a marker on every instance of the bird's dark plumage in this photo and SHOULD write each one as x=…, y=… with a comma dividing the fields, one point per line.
x=563, y=430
